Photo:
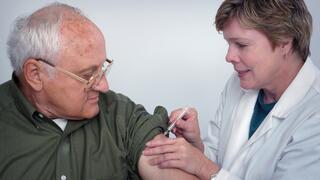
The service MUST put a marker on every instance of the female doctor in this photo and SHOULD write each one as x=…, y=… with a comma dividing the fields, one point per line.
x=268, y=123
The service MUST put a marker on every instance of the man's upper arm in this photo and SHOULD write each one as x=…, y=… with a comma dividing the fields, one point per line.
x=148, y=171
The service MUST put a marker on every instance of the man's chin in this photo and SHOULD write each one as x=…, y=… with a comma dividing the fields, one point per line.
x=90, y=113
x=86, y=113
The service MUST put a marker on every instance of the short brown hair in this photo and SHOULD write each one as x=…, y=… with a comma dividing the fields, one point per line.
x=277, y=19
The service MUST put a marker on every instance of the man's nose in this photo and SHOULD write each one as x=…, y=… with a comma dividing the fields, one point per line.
x=102, y=85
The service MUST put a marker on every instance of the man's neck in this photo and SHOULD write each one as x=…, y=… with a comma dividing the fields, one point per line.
x=35, y=98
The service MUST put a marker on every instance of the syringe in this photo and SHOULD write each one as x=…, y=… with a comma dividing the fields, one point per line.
x=169, y=129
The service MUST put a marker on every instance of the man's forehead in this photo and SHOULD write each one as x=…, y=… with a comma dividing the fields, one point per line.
x=80, y=37
x=82, y=54
x=79, y=26
x=82, y=44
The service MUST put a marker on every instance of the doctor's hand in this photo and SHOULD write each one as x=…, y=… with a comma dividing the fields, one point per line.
x=188, y=127
x=178, y=153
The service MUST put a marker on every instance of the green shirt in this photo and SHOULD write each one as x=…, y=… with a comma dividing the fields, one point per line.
x=261, y=110
x=107, y=146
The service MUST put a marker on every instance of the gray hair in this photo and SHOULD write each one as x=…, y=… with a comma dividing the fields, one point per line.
x=37, y=35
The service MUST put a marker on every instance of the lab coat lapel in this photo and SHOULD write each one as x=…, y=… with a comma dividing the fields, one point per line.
x=265, y=127
x=290, y=98
x=241, y=120
x=293, y=95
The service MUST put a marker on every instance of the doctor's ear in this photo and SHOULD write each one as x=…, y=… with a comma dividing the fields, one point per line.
x=32, y=74
x=286, y=46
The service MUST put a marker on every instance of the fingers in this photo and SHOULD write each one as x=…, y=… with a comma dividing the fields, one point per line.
x=176, y=113
x=159, y=142
x=178, y=132
x=191, y=114
x=159, y=150
x=173, y=164
x=182, y=125
x=180, y=154
x=163, y=158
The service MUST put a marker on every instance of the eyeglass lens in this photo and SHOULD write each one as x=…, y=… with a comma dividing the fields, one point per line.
x=96, y=78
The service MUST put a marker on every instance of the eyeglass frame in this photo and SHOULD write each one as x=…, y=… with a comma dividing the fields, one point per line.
x=93, y=80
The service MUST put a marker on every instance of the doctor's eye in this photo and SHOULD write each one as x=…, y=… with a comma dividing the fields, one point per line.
x=241, y=45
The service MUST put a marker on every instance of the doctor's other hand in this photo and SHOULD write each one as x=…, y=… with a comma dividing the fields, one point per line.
x=178, y=153
x=188, y=127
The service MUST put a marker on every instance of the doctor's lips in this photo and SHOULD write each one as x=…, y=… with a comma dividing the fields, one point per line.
x=242, y=72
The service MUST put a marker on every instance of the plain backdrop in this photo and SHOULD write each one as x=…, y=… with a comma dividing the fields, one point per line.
x=166, y=52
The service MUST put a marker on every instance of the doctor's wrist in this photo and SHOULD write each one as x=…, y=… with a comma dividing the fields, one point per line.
x=199, y=145
x=207, y=170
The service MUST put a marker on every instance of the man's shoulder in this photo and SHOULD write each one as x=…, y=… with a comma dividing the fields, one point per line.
x=112, y=97
x=5, y=86
x=111, y=101
x=5, y=95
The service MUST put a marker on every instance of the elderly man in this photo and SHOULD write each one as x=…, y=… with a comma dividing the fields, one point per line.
x=58, y=118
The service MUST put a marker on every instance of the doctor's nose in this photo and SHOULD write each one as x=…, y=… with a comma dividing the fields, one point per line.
x=232, y=56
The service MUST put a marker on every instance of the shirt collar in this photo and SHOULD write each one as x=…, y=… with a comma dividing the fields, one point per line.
x=22, y=104
x=297, y=89
x=29, y=111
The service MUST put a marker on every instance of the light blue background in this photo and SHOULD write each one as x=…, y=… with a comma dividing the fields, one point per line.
x=166, y=52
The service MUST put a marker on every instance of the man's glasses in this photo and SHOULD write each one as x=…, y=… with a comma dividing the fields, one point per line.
x=93, y=81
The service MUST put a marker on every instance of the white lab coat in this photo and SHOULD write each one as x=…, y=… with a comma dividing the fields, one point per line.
x=287, y=143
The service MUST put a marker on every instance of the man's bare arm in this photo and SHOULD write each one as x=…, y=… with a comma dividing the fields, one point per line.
x=149, y=172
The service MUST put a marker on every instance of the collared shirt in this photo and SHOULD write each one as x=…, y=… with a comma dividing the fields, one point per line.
x=261, y=110
x=107, y=146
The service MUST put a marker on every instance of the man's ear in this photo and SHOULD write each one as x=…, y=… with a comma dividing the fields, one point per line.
x=32, y=74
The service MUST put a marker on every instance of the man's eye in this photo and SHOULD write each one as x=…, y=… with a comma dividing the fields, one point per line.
x=87, y=76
